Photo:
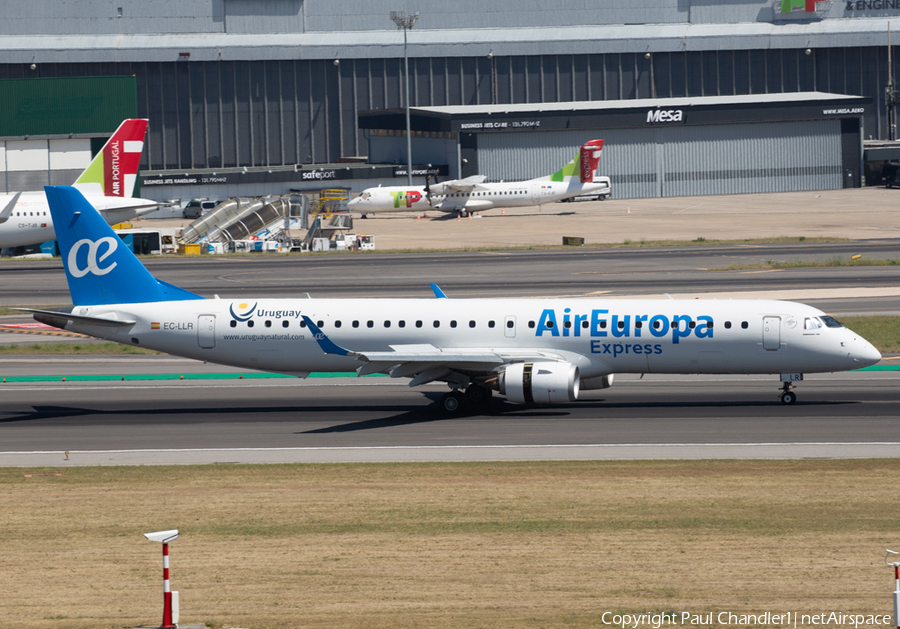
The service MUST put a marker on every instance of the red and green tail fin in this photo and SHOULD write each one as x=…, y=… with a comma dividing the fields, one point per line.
x=583, y=165
x=113, y=171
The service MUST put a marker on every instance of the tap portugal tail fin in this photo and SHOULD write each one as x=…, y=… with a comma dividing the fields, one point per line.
x=583, y=165
x=113, y=171
x=99, y=267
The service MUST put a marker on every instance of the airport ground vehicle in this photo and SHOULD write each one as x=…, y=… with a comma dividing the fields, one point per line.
x=197, y=208
x=599, y=195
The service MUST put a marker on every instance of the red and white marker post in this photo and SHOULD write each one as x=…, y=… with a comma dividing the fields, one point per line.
x=896, y=565
x=165, y=537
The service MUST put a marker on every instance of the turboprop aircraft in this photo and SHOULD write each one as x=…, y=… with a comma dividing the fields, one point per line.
x=540, y=351
x=107, y=183
x=470, y=194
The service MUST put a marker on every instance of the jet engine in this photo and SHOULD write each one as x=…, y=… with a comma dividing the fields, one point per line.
x=600, y=382
x=540, y=383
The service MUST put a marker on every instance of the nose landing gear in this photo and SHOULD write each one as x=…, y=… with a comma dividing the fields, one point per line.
x=788, y=396
x=787, y=383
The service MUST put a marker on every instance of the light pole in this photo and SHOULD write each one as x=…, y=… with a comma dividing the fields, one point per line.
x=406, y=22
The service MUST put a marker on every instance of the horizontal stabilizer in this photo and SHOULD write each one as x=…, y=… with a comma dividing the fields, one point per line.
x=59, y=318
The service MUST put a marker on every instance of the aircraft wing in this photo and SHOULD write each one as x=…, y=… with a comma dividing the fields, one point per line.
x=457, y=185
x=427, y=362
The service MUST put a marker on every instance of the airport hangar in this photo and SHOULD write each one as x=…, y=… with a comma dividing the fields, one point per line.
x=235, y=85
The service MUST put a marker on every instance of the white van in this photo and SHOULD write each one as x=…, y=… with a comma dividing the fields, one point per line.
x=600, y=195
x=197, y=208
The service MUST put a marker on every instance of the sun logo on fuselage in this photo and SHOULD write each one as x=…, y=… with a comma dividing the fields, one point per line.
x=245, y=315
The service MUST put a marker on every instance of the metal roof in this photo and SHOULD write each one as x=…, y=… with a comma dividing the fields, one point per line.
x=448, y=42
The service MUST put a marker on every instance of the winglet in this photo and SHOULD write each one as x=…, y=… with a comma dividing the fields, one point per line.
x=328, y=346
x=437, y=291
x=8, y=210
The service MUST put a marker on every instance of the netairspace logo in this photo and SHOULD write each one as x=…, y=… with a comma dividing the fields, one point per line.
x=784, y=619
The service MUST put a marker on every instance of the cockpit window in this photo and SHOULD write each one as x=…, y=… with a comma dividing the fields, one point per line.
x=812, y=323
x=831, y=322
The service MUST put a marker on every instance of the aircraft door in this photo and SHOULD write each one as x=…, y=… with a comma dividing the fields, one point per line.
x=535, y=193
x=771, y=333
x=509, y=327
x=206, y=331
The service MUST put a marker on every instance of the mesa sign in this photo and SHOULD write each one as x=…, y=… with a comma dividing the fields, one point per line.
x=664, y=115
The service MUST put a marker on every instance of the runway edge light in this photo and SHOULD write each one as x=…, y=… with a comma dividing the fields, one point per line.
x=170, y=615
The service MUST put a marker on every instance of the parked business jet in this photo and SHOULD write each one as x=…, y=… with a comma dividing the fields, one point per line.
x=108, y=184
x=470, y=194
x=540, y=351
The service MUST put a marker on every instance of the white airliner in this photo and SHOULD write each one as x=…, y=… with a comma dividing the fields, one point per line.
x=578, y=177
x=540, y=351
x=107, y=183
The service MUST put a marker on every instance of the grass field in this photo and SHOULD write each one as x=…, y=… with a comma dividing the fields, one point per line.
x=524, y=545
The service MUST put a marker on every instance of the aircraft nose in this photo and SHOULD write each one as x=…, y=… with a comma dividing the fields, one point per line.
x=865, y=353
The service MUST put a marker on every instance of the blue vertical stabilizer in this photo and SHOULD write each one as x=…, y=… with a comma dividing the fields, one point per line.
x=99, y=267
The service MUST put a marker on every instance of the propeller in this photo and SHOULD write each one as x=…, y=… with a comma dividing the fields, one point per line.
x=428, y=187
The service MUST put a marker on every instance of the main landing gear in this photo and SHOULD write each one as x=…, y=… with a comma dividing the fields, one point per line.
x=457, y=402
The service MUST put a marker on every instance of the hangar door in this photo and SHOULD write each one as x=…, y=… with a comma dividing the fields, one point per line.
x=665, y=161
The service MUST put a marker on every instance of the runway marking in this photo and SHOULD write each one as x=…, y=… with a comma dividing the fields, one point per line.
x=472, y=447
x=687, y=208
x=8, y=329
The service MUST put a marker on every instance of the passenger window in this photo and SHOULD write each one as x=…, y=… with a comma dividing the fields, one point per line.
x=250, y=323
x=531, y=324
x=437, y=324
x=471, y=324
x=638, y=324
x=692, y=324
x=234, y=324
x=302, y=324
x=387, y=324
x=355, y=324
x=401, y=323
x=453, y=324
x=568, y=324
x=268, y=324
x=337, y=324
x=320, y=324
x=728, y=325
x=418, y=324
x=656, y=324
x=744, y=325
x=584, y=324
x=285, y=323
x=370, y=324
x=510, y=324
x=621, y=325
x=490, y=324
